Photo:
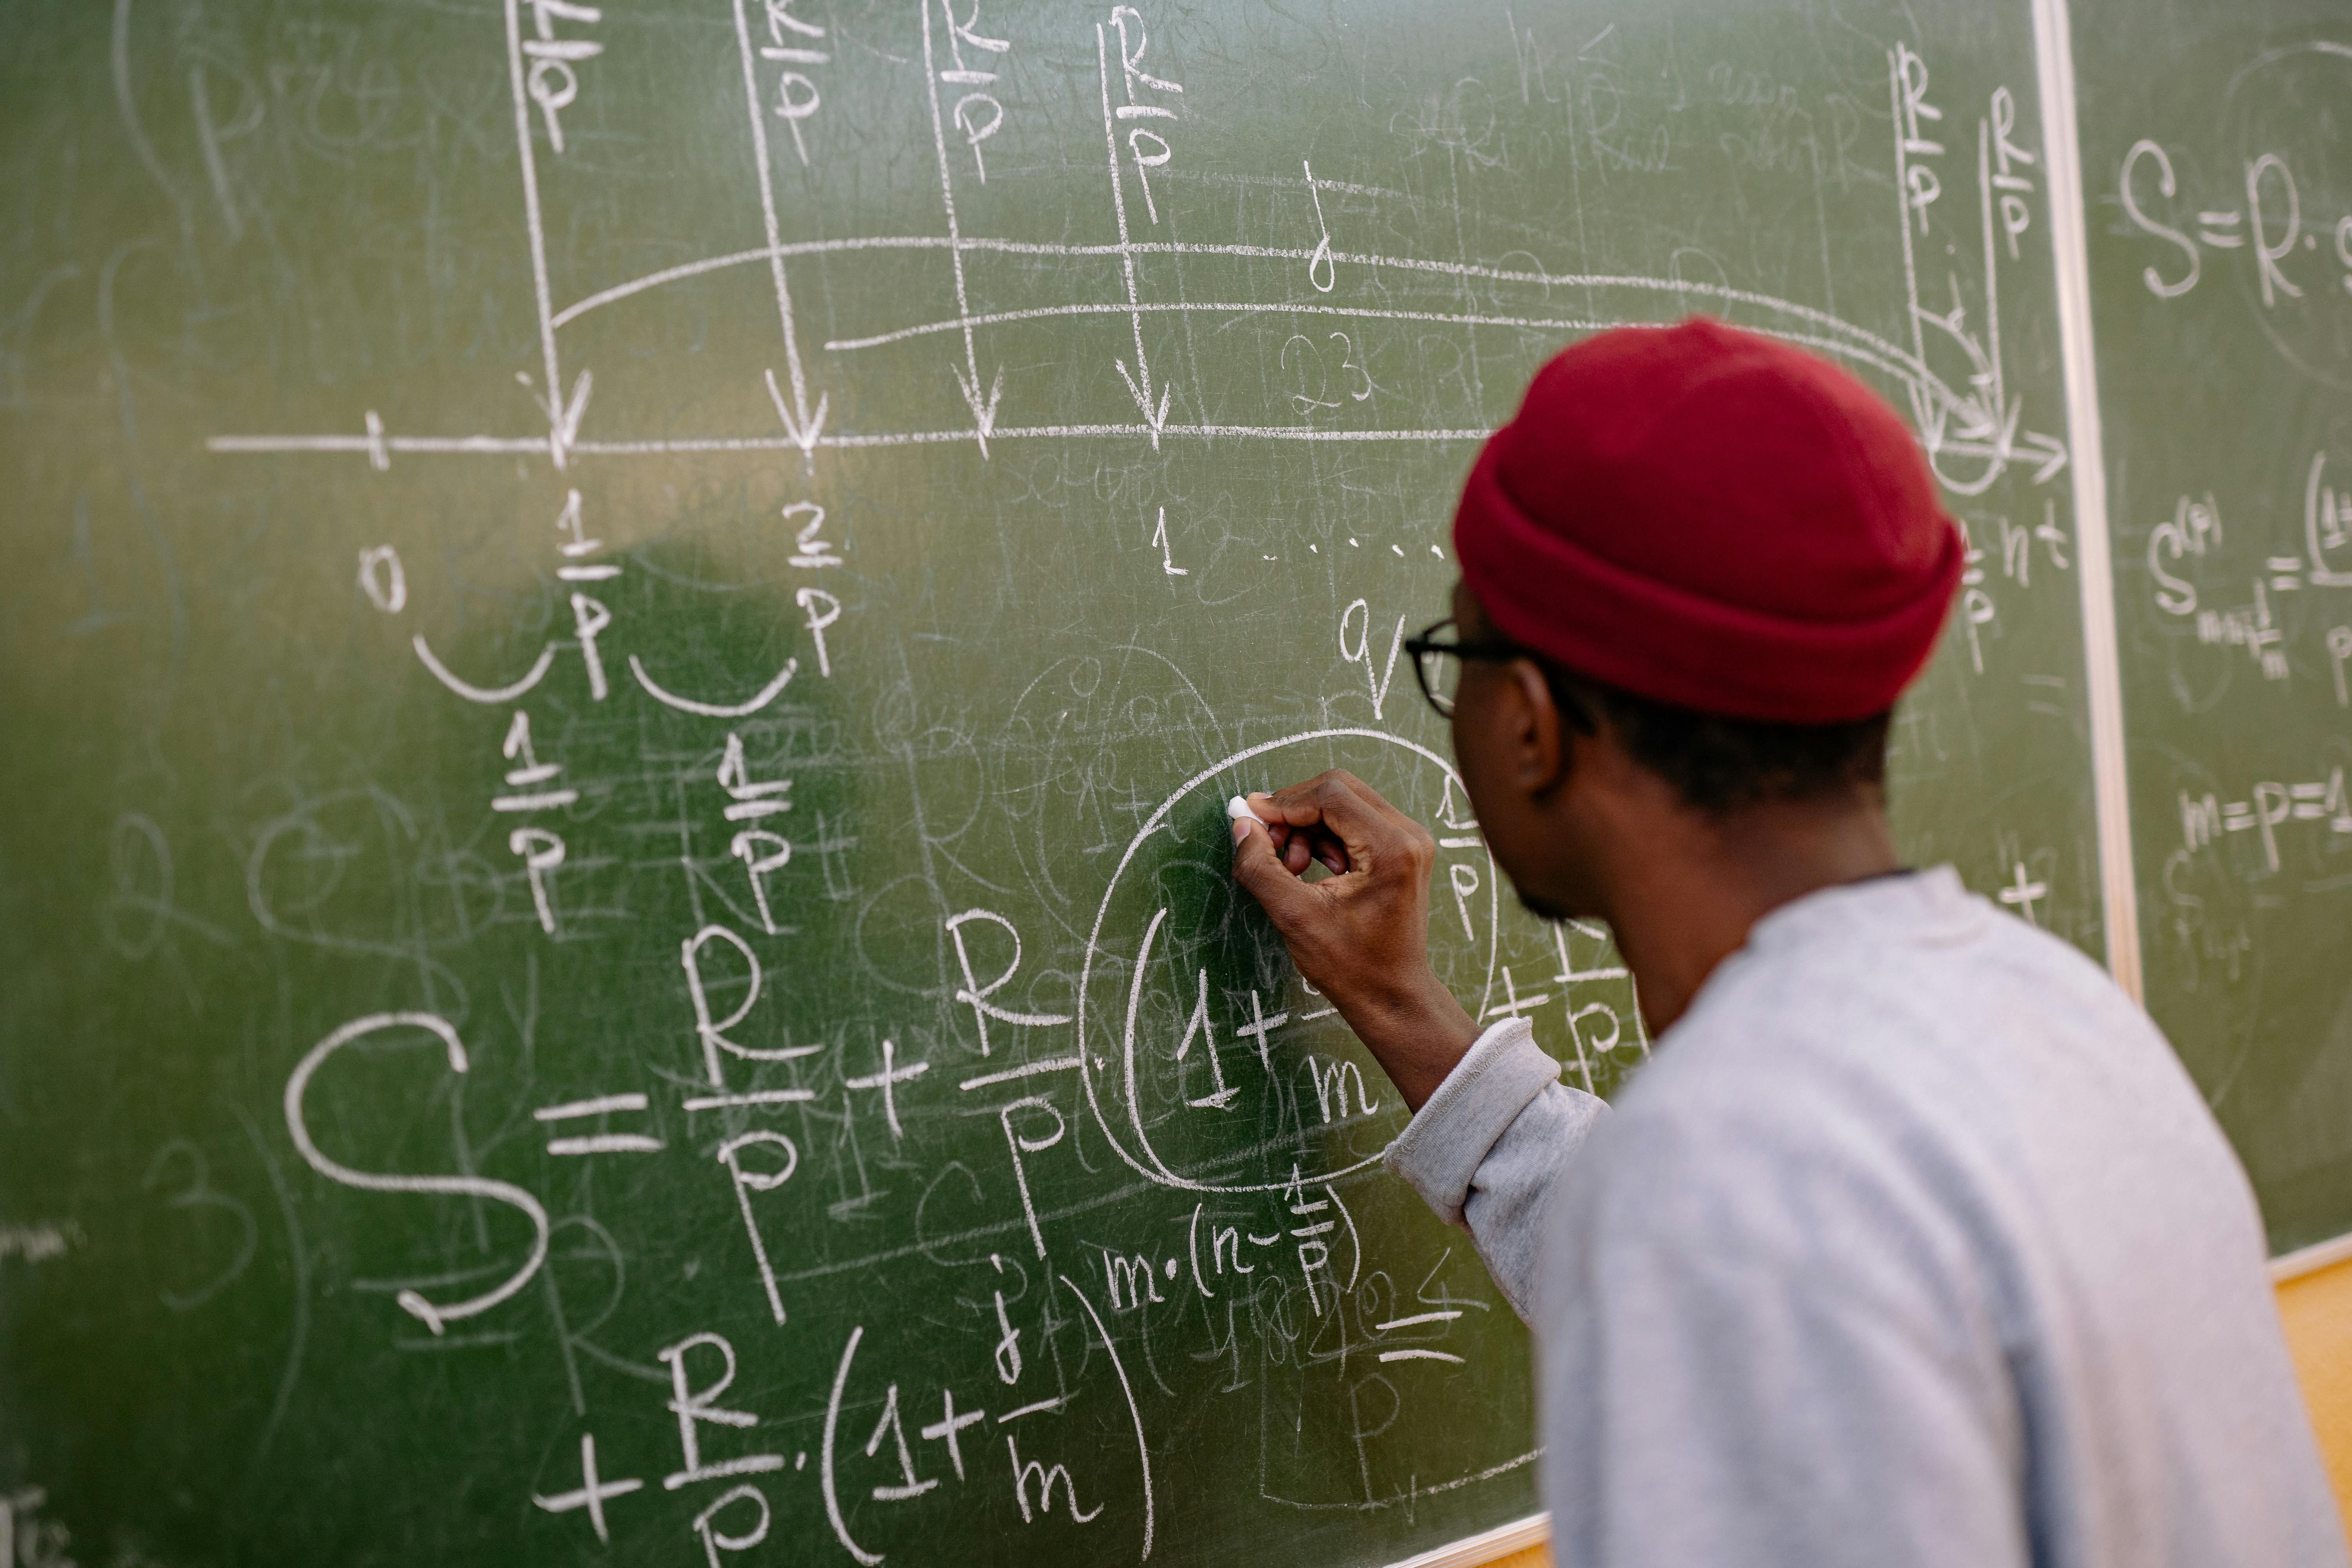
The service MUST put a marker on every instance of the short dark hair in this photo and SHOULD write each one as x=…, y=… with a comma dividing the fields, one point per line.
x=1719, y=764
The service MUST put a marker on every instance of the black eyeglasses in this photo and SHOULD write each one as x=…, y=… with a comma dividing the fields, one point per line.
x=1436, y=678
x=1440, y=642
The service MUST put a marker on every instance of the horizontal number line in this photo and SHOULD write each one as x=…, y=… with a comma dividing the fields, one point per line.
x=704, y=444
x=493, y=445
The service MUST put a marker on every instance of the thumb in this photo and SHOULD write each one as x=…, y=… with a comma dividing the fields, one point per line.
x=1258, y=868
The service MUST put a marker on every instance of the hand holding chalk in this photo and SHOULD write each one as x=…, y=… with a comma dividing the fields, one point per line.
x=1297, y=848
x=1360, y=935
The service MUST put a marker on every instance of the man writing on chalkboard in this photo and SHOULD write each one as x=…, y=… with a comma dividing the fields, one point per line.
x=1914, y=1244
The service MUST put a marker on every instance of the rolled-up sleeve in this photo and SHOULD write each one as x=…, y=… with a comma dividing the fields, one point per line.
x=1488, y=1149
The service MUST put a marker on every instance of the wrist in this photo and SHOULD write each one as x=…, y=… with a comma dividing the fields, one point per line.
x=1417, y=1031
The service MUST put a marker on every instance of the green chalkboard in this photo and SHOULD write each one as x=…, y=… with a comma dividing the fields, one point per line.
x=621, y=632
x=2218, y=191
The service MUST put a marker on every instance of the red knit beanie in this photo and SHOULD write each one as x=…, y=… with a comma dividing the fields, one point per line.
x=1710, y=518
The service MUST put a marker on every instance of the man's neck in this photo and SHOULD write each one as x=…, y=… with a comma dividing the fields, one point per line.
x=1682, y=901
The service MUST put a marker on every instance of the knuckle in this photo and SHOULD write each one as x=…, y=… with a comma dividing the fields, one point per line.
x=1421, y=848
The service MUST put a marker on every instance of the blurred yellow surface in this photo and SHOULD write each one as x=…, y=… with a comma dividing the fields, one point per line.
x=2318, y=1309
x=1533, y=1557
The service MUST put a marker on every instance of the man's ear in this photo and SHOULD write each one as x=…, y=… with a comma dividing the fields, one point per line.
x=1536, y=737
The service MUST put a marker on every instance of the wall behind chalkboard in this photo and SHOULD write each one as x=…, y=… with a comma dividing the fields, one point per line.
x=624, y=629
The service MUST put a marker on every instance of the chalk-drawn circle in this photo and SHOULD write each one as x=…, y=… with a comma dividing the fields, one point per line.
x=1128, y=1135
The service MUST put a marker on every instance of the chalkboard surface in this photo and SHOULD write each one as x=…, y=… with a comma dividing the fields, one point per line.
x=624, y=630
x=2222, y=273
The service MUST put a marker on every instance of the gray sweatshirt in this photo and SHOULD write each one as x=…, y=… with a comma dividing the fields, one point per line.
x=1913, y=1246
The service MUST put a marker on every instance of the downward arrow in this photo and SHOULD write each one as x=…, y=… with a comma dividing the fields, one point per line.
x=1155, y=417
x=1978, y=419
x=983, y=414
x=804, y=430
x=1938, y=408
x=2007, y=443
x=562, y=417
x=1929, y=411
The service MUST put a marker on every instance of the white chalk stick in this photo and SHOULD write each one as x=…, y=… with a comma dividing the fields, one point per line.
x=1238, y=808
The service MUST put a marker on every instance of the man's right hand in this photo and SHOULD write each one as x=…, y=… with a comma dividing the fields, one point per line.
x=1360, y=936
